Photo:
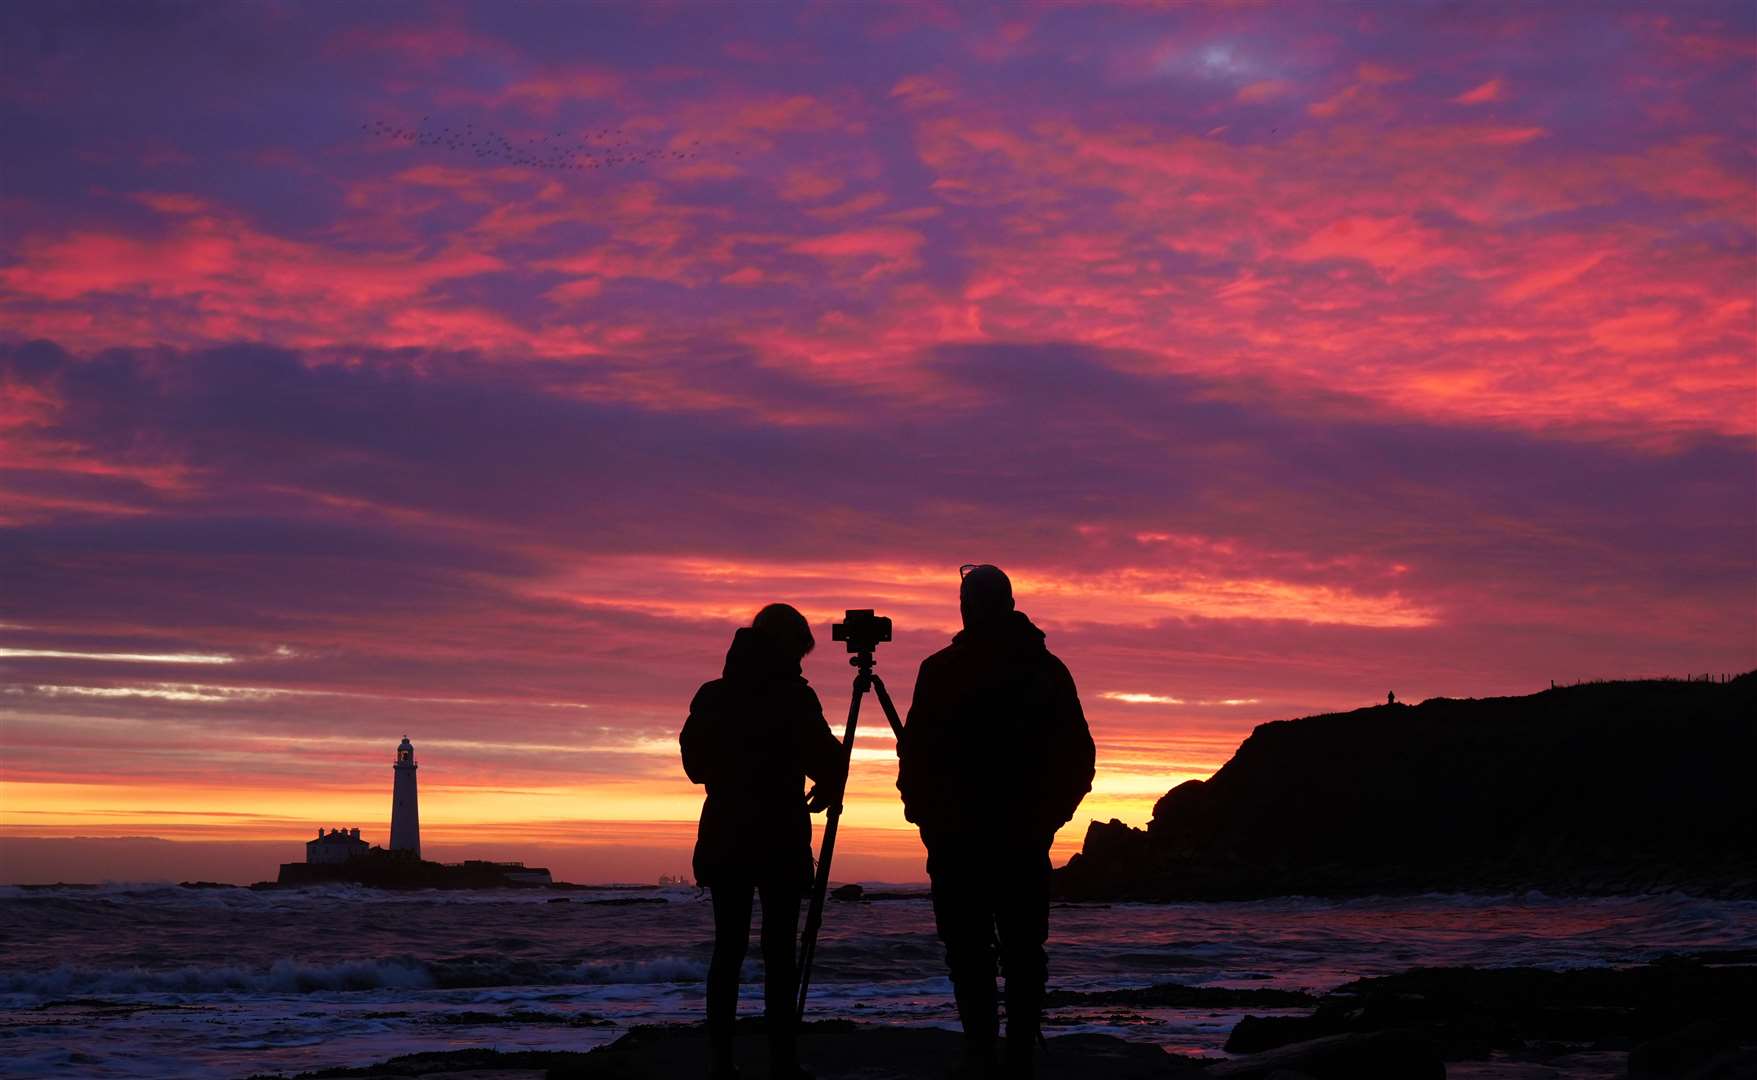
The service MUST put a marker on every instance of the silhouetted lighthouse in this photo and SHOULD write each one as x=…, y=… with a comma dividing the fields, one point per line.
x=405, y=818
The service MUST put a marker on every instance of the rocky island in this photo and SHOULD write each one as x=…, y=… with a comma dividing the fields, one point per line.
x=382, y=869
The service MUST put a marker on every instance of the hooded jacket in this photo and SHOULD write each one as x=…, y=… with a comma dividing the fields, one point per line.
x=996, y=749
x=753, y=736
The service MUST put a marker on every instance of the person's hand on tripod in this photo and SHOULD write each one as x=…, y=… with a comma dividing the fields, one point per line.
x=823, y=796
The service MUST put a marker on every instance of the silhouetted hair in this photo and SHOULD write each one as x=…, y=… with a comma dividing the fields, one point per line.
x=784, y=624
x=985, y=593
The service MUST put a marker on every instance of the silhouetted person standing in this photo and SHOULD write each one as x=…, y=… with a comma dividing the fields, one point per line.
x=995, y=757
x=752, y=737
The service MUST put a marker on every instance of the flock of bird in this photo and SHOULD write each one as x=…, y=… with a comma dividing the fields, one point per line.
x=605, y=148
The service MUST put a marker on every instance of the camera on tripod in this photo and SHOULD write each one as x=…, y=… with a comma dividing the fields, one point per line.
x=861, y=629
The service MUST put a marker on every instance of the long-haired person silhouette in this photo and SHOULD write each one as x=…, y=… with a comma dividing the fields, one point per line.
x=995, y=757
x=752, y=737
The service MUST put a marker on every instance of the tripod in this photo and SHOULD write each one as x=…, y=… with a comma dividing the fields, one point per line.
x=814, y=915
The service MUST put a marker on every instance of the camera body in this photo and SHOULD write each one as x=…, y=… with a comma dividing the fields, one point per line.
x=861, y=629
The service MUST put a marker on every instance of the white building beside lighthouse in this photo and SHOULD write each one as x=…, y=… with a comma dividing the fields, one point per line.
x=405, y=817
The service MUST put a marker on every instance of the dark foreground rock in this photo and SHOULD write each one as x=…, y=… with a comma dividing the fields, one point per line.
x=1704, y=1050
x=833, y=1049
x=1380, y=1055
x=839, y=1049
x=1600, y=789
x=1679, y=1017
x=1179, y=996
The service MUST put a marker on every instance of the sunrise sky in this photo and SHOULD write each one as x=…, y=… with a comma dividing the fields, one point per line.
x=1284, y=354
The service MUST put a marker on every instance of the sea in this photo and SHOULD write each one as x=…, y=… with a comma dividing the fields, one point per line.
x=168, y=981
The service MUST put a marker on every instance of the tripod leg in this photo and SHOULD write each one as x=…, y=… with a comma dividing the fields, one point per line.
x=814, y=913
x=878, y=686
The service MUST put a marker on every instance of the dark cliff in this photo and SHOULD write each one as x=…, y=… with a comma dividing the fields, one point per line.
x=1602, y=788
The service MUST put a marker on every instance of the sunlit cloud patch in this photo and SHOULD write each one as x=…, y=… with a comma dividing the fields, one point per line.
x=119, y=657
x=1139, y=698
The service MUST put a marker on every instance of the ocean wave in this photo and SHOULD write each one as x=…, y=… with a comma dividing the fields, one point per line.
x=170, y=893
x=136, y=892
x=294, y=977
x=661, y=969
x=281, y=977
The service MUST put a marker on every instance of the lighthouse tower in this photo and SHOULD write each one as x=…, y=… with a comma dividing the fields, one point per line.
x=405, y=819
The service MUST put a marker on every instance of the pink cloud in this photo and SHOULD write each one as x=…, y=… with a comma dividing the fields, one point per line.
x=1396, y=246
x=544, y=93
x=1481, y=95
x=805, y=185
x=1263, y=91
x=888, y=249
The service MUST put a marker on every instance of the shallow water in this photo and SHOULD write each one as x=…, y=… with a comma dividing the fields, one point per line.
x=160, y=981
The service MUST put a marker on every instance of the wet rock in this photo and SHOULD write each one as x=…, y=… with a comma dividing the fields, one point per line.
x=1690, y=1013
x=835, y=1050
x=1178, y=996
x=1379, y=1055
x=1704, y=1050
x=849, y=893
x=1254, y=1034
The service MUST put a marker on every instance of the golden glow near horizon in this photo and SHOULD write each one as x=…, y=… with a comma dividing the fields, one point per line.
x=546, y=813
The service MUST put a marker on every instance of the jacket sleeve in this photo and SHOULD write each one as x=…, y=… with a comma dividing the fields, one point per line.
x=819, y=751
x=1073, y=758
x=700, y=737
x=923, y=775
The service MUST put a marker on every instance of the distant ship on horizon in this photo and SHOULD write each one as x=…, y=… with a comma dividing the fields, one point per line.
x=341, y=856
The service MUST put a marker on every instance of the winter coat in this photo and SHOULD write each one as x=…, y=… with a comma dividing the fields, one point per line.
x=996, y=750
x=753, y=736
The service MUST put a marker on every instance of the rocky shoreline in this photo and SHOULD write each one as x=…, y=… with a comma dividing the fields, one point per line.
x=1689, y=1018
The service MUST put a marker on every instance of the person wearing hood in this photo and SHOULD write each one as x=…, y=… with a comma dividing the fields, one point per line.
x=752, y=737
x=995, y=757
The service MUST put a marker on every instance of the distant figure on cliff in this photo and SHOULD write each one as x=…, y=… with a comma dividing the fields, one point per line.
x=995, y=757
x=752, y=737
x=1390, y=697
